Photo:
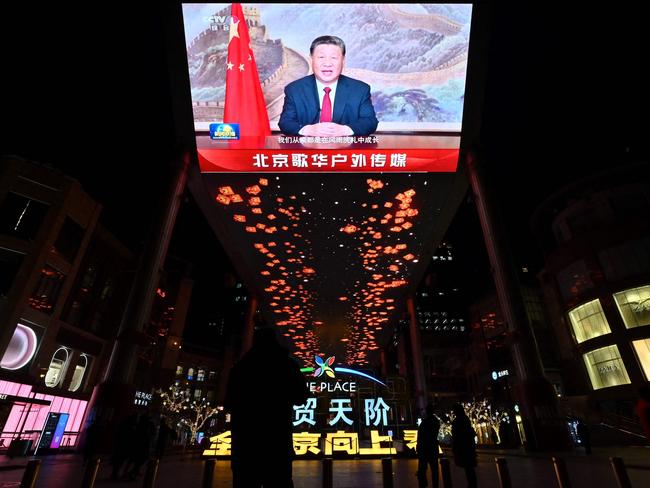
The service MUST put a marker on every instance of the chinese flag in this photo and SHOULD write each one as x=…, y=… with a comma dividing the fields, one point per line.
x=244, y=99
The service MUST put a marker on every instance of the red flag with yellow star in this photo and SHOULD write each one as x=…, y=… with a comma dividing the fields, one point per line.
x=245, y=103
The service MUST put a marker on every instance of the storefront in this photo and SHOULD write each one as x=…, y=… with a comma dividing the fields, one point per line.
x=24, y=413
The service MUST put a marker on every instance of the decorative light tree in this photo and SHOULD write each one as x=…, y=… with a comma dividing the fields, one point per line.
x=191, y=413
x=482, y=415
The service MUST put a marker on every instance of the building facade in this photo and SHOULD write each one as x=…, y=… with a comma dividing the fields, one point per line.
x=596, y=284
x=61, y=289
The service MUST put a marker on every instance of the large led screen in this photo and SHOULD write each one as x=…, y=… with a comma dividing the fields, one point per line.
x=413, y=58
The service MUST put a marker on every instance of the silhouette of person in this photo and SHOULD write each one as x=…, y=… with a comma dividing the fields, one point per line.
x=91, y=444
x=141, y=445
x=427, y=448
x=643, y=409
x=583, y=433
x=262, y=389
x=463, y=444
x=165, y=435
x=124, y=437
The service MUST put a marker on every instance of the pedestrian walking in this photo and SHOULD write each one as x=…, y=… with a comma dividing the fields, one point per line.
x=261, y=413
x=463, y=444
x=643, y=409
x=427, y=448
x=582, y=429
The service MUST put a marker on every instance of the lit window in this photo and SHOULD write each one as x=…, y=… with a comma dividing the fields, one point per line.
x=212, y=375
x=58, y=366
x=190, y=374
x=642, y=349
x=21, y=348
x=79, y=372
x=200, y=375
x=606, y=368
x=197, y=394
x=588, y=321
x=179, y=370
x=634, y=306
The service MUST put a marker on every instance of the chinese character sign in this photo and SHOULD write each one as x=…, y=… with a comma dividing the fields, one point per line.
x=305, y=413
x=340, y=406
x=376, y=410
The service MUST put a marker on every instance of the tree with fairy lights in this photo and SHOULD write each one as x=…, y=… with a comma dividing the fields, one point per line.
x=482, y=415
x=191, y=413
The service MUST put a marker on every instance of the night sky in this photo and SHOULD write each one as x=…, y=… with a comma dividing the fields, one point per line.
x=85, y=90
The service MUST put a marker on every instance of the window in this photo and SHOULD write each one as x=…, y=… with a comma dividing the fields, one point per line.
x=629, y=259
x=21, y=216
x=197, y=394
x=588, y=321
x=642, y=349
x=574, y=280
x=21, y=348
x=179, y=370
x=212, y=375
x=79, y=372
x=190, y=374
x=69, y=240
x=634, y=306
x=47, y=289
x=606, y=368
x=10, y=262
x=200, y=375
x=58, y=366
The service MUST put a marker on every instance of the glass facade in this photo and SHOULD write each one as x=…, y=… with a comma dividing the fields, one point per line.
x=588, y=321
x=46, y=291
x=634, y=306
x=605, y=367
x=20, y=216
x=642, y=349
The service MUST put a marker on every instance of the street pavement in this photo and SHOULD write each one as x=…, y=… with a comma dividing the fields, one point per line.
x=526, y=471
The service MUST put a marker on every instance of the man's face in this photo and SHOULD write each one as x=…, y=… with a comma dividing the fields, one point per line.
x=327, y=62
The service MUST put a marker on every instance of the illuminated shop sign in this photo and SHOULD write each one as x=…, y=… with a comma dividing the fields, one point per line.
x=324, y=367
x=305, y=443
x=142, y=398
x=500, y=374
x=375, y=409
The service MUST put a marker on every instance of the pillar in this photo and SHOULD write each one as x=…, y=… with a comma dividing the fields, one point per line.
x=416, y=356
x=539, y=405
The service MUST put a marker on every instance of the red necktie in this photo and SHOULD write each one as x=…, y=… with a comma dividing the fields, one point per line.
x=326, y=112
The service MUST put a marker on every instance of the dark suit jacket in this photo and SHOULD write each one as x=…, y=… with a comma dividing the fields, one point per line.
x=352, y=106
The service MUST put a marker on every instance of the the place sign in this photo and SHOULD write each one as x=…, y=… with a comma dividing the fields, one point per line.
x=500, y=374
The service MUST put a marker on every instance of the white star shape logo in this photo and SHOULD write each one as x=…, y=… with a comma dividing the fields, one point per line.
x=234, y=29
x=230, y=65
x=241, y=67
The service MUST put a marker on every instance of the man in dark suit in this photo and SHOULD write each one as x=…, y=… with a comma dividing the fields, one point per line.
x=327, y=103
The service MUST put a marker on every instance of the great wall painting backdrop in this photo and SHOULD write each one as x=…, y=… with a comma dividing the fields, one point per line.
x=413, y=56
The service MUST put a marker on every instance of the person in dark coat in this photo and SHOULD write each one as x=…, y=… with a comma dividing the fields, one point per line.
x=427, y=448
x=262, y=389
x=92, y=443
x=643, y=409
x=124, y=438
x=141, y=446
x=463, y=444
x=583, y=433
x=165, y=435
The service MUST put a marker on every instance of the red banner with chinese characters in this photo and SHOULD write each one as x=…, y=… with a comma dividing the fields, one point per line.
x=405, y=154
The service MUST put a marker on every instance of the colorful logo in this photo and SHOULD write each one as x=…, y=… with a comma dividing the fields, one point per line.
x=224, y=132
x=324, y=367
